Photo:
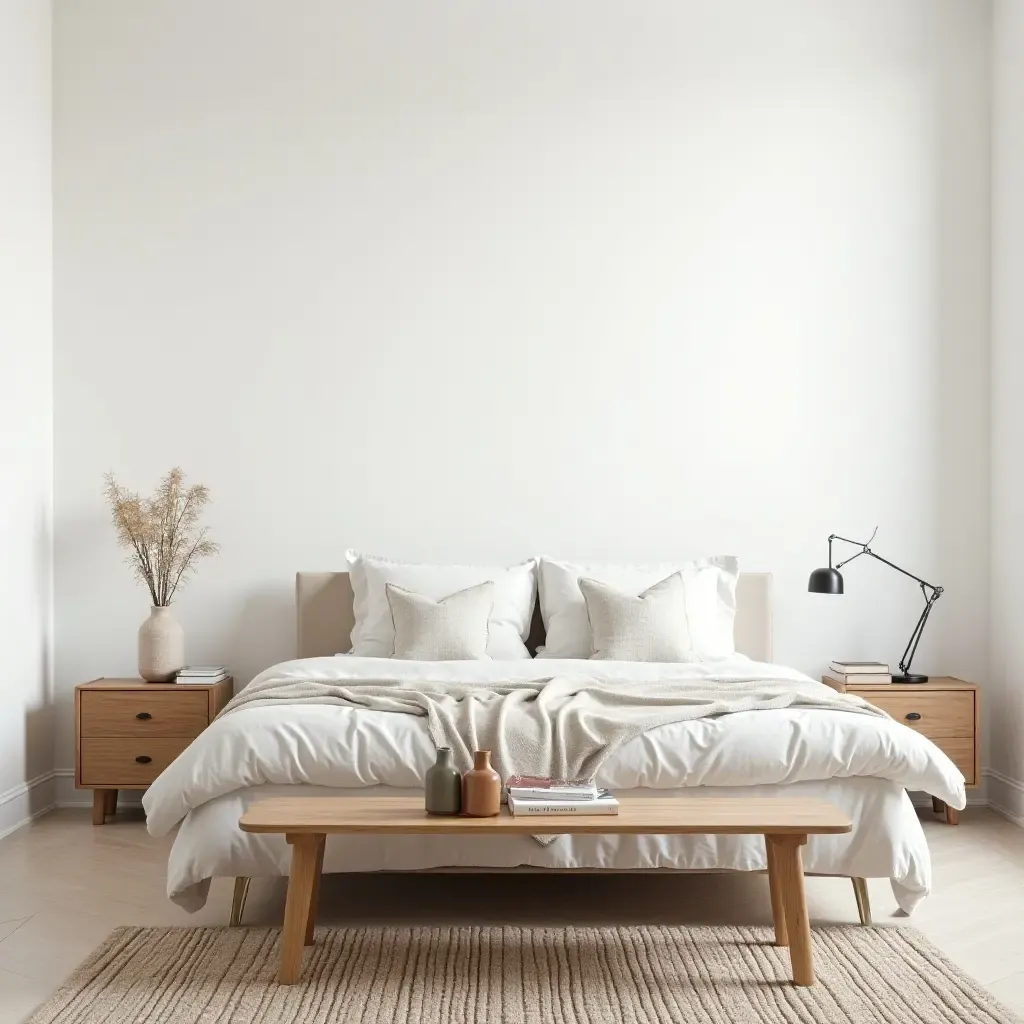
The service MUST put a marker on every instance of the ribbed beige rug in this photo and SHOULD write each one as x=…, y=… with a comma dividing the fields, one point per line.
x=521, y=975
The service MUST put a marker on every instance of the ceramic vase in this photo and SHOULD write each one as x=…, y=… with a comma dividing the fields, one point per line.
x=443, y=785
x=161, y=646
x=481, y=787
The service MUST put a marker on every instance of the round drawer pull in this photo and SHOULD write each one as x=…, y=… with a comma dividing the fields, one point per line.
x=143, y=716
x=143, y=759
x=913, y=716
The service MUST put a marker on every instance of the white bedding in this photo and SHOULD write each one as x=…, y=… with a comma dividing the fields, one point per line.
x=862, y=763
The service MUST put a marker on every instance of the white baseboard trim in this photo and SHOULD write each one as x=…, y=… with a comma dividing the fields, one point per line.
x=1006, y=796
x=67, y=796
x=28, y=800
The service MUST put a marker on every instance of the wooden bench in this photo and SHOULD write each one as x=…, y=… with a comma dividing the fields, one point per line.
x=785, y=824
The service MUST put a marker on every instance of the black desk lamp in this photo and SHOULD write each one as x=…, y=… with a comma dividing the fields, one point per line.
x=830, y=581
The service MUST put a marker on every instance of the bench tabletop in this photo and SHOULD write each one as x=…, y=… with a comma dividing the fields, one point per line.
x=639, y=815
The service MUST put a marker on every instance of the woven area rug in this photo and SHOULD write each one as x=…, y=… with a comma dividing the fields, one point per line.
x=520, y=975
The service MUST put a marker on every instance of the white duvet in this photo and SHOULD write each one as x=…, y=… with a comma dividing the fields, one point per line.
x=862, y=763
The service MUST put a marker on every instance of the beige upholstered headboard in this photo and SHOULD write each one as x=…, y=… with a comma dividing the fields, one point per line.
x=323, y=601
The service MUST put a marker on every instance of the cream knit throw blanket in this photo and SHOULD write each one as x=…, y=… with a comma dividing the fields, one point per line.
x=563, y=727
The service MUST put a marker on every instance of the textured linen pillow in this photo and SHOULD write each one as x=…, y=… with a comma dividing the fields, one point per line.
x=373, y=636
x=452, y=629
x=710, y=602
x=651, y=626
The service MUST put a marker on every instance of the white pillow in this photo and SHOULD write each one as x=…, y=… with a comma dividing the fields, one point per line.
x=710, y=602
x=452, y=629
x=648, y=627
x=373, y=635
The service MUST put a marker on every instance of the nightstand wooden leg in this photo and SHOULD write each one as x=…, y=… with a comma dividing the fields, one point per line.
x=99, y=806
x=789, y=862
x=301, y=883
x=110, y=805
x=238, y=900
x=952, y=816
x=775, y=886
x=860, y=892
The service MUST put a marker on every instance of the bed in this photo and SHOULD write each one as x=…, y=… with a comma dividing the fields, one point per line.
x=863, y=765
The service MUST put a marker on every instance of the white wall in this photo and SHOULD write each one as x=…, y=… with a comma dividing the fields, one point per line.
x=26, y=392
x=1007, y=685
x=476, y=281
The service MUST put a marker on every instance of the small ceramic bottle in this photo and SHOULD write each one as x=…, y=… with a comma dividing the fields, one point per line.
x=443, y=785
x=481, y=787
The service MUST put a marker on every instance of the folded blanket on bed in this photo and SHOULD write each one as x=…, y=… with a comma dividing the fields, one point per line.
x=566, y=727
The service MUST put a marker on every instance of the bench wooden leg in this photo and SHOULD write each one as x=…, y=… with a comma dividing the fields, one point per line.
x=314, y=896
x=238, y=898
x=301, y=884
x=790, y=868
x=778, y=910
x=938, y=806
x=860, y=892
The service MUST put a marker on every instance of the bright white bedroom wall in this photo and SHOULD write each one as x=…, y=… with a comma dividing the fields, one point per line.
x=1006, y=786
x=26, y=410
x=478, y=281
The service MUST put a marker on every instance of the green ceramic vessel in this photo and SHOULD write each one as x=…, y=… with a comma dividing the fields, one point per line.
x=443, y=785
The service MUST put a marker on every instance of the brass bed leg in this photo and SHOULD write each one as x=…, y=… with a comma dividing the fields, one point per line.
x=238, y=900
x=860, y=890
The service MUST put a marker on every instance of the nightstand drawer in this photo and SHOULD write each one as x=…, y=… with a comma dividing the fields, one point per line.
x=935, y=714
x=961, y=752
x=137, y=713
x=121, y=762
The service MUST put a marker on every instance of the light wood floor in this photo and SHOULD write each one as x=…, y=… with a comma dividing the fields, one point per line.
x=64, y=884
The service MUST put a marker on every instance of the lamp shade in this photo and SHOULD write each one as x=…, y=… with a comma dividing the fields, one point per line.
x=825, y=581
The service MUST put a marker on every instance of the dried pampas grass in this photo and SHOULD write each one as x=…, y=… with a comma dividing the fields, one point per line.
x=162, y=533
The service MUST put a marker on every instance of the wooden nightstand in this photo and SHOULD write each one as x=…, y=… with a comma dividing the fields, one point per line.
x=944, y=709
x=128, y=731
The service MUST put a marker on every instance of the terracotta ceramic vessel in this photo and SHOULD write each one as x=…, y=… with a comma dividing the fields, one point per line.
x=161, y=646
x=481, y=787
x=443, y=785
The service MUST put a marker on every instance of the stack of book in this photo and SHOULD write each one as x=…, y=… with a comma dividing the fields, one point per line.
x=202, y=674
x=531, y=795
x=860, y=673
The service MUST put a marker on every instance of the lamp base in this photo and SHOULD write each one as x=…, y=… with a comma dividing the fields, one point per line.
x=910, y=679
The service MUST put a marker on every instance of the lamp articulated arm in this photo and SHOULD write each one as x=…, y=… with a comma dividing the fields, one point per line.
x=930, y=591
